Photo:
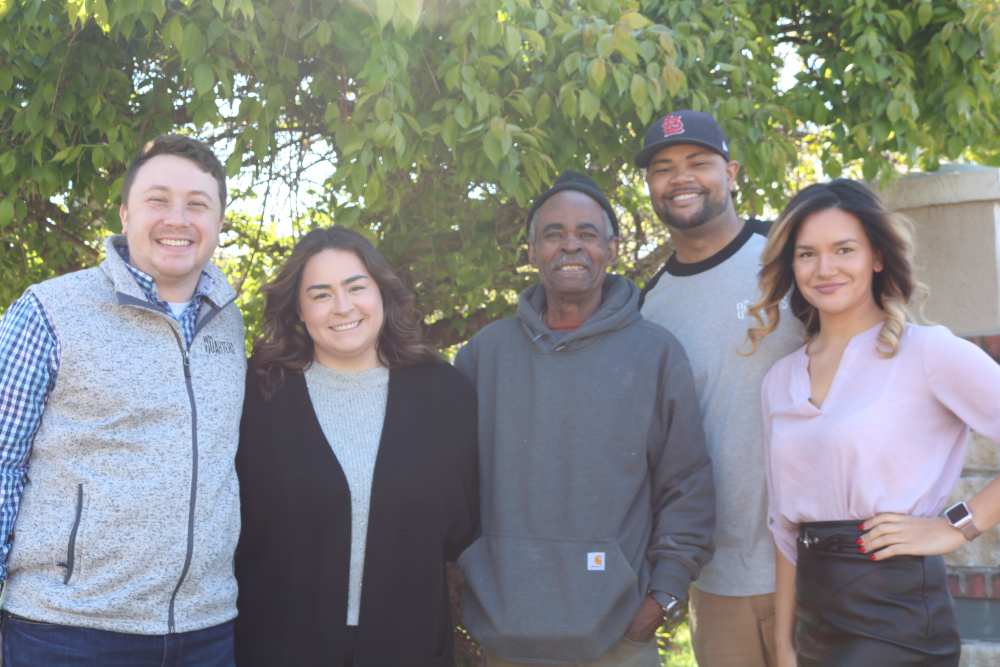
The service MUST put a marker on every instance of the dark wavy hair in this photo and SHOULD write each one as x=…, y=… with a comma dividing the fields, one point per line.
x=889, y=234
x=285, y=345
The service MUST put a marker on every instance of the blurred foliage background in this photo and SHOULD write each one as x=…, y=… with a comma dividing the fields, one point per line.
x=429, y=125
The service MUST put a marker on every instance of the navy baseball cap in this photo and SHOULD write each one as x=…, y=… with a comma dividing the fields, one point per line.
x=682, y=127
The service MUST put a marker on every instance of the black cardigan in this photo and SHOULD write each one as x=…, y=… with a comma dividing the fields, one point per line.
x=294, y=550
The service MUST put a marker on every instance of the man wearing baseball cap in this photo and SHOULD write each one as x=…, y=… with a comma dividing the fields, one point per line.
x=701, y=295
x=597, y=500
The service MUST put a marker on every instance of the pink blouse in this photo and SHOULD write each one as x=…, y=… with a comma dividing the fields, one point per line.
x=890, y=436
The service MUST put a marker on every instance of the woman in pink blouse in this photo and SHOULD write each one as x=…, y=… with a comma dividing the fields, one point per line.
x=866, y=428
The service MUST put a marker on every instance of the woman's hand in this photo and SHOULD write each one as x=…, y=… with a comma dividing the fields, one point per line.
x=786, y=656
x=891, y=535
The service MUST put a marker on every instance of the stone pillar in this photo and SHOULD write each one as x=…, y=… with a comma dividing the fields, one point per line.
x=956, y=216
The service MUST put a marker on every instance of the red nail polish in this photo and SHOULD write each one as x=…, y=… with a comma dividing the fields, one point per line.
x=872, y=556
x=861, y=527
x=861, y=550
x=858, y=541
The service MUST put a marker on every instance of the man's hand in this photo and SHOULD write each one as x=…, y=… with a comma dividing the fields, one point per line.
x=646, y=621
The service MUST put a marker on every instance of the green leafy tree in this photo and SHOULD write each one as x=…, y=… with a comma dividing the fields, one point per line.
x=438, y=120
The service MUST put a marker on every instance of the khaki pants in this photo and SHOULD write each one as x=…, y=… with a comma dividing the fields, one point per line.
x=626, y=653
x=732, y=631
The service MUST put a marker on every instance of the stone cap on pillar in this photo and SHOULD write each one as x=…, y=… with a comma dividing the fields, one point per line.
x=952, y=184
x=956, y=218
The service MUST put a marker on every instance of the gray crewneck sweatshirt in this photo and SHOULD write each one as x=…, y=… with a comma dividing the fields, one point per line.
x=706, y=305
x=350, y=408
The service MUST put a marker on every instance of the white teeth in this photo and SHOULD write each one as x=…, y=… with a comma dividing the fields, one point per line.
x=572, y=267
x=685, y=196
x=175, y=242
x=345, y=327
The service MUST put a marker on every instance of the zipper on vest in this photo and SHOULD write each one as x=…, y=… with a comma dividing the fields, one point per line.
x=194, y=481
x=130, y=300
x=71, y=546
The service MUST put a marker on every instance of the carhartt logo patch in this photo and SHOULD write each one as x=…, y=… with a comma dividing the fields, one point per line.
x=595, y=561
x=213, y=346
x=672, y=125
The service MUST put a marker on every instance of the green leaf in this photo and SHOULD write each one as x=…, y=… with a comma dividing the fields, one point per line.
x=383, y=109
x=905, y=28
x=6, y=211
x=324, y=33
x=893, y=110
x=634, y=21
x=925, y=12
x=384, y=11
x=220, y=7
x=596, y=73
x=512, y=41
x=541, y=19
x=193, y=46
x=589, y=105
x=567, y=101
x=173, y=33
x=204, y=79
x=384, y=134
x=492, y=148
x=463, y=115
x=605, y=45
x=234, y=162
x=410, y=10
x=482, y=104
x=449, y=132
x=8, y=162
x=673, y=79
x=543, y=109
x=331, y=115
x=638, y=90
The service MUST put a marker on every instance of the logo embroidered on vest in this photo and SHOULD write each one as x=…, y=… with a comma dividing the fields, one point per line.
x=213, y=346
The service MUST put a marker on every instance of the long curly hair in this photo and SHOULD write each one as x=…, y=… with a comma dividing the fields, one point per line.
x=889, y=234
x=285, y=345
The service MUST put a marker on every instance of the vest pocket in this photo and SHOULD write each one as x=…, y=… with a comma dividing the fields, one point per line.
x=70, y=561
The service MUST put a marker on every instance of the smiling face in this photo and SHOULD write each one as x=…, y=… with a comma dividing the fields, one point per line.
x=571, y=248
x=171, y=221
x=690, y=185
x=834, y=264
x=340, y=305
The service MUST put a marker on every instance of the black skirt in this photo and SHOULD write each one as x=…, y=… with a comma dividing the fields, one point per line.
x=852, y=611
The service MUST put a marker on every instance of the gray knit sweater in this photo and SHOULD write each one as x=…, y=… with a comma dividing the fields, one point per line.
x=350, y=408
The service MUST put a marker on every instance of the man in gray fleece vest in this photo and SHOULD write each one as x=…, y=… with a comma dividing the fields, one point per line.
x=121, y=386
x=596, y=489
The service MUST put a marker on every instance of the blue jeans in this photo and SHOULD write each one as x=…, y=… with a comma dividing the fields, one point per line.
x=28, y=643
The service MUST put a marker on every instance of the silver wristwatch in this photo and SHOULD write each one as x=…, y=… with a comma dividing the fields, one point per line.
x=959, y=516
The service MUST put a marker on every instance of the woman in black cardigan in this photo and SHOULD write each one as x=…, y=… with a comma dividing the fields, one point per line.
x=328, y=430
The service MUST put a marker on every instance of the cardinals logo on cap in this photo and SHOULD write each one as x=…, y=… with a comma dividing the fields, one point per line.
x=672, y=125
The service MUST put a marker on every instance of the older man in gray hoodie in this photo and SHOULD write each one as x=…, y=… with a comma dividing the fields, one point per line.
x=597, y=496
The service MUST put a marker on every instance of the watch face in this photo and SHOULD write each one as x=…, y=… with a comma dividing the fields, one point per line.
x=956, y=513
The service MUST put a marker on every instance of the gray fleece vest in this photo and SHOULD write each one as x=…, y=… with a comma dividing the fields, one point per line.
x=130, y=520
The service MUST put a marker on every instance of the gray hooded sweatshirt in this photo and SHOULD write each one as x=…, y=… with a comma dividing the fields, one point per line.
x=595, y=483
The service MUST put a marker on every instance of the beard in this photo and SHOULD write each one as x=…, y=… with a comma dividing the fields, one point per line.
x=708, y=211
